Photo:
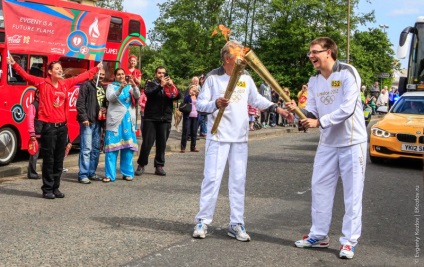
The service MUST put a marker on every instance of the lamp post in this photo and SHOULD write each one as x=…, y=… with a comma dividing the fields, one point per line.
x=384, y=27
x=348, y=33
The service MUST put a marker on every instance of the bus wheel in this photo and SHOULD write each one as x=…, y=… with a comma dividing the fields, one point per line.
x=8, y=145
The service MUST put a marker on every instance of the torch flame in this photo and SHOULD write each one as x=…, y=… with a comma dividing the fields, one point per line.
x=236, y=51
x=226, y=32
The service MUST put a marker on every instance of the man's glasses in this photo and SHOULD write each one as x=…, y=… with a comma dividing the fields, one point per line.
x=315, y=52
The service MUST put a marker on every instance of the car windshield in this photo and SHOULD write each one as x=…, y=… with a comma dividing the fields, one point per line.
x=409, y=105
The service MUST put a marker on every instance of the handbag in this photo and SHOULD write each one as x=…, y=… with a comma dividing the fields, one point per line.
x=33, y=147
x=185, y=108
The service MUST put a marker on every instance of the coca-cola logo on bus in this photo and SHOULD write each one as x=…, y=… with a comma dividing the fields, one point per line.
x=73, y=96
x=15, y=39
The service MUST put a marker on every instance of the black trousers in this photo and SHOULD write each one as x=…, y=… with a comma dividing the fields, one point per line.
x=53, y=143
x=265, y=116
x=189, y=125
x=154, y=131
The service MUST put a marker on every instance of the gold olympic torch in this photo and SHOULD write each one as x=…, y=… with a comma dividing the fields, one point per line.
x=235, y=76
x=260, y=69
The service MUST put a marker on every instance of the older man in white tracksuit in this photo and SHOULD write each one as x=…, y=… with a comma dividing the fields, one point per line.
x=229, y=143
x=334, y=105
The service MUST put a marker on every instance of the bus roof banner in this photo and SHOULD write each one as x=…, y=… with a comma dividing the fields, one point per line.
x=55, y=30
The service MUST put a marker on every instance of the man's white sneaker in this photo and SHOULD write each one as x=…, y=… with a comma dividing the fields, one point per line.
x=307, y=242
x=200, y=230
x=347, y=252
x=239, y=232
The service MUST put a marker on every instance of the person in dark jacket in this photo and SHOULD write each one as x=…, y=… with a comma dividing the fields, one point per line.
x=161, y=92
x=91, y=108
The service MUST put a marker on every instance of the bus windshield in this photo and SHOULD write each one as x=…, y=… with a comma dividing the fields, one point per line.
x=416, y=67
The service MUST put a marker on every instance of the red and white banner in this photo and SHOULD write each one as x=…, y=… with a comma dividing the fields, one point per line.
x=55, y=30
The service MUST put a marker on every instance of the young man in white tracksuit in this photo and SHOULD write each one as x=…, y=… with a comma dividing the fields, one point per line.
x=334, y=105
x=229, y=143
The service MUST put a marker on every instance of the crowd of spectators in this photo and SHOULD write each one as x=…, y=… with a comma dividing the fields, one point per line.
x=376, y=98
x=267, y=118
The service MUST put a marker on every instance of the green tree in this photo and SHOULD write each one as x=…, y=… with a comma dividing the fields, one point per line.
x=150, y=61
x=371, y=54
x=182, y=37
x=289, y=27
x=111, y=4
x=279, y=31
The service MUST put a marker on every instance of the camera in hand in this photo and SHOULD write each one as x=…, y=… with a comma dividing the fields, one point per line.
x=127, y=78
x=166, y=75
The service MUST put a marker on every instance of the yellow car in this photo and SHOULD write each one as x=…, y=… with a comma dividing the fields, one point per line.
x=399, y=134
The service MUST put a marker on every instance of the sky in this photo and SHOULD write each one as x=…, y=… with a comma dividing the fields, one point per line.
x=396, y=14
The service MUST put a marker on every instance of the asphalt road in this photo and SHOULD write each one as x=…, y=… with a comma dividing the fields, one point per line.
x=149, y=222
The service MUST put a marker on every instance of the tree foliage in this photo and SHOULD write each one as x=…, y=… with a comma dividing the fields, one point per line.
x=111, y=4
x=279, y=31
x=182, y=37
x=371, y=54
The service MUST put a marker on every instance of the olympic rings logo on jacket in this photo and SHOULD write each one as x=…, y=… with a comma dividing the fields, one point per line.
x=327, y=100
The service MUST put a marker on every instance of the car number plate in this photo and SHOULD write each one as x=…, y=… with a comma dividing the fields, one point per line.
x=412, y=148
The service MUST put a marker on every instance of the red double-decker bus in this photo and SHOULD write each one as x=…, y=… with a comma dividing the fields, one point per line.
x=127, y=32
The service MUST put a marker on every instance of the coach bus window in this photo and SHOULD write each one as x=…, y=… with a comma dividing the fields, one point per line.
x=15, y=78
x=134, y=27
x=73, y=66
x=37, y=66
x=115, y=30
x=1, y=15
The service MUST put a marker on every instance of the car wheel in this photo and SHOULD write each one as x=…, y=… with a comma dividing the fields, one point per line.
x=8, y=145
x=376, y=160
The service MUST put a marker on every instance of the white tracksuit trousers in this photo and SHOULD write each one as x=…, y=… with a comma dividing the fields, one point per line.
x=216, y=157
x=330, y=162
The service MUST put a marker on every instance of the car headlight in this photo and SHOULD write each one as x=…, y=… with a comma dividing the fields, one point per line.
x=381, y=133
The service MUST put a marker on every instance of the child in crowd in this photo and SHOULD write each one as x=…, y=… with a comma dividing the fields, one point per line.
x=372, y=105
x=252, y=111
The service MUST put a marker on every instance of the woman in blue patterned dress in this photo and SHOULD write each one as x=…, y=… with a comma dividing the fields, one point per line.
x=120, y=126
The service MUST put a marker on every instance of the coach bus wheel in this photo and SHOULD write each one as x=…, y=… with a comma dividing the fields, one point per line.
x=8, y=145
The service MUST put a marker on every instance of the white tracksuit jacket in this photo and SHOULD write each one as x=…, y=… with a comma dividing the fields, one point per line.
x=234, y=125
x=336, y=102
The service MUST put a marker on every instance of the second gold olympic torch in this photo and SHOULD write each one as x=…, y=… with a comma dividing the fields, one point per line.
x=260, y=69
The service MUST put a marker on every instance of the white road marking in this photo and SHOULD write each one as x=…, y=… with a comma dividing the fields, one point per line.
x=303, y=192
